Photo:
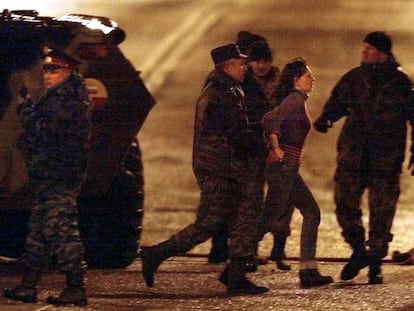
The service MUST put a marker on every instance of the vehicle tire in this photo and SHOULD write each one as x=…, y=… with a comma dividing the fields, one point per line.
x=13, y=231
x=111, y=226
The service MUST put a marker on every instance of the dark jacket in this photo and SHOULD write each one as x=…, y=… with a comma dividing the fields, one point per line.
x=220, y=126
x=56, y=132
x=377, y=101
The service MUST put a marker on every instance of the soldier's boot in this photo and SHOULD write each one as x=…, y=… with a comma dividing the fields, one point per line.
x=73, y=294
x=312, y=278
x=374, y=273
x=358, y=261
x=219, y=248
x=152, y=257
x=238, y=284
x=26, y=291
x=278, y=252
x=251, y=266
x=224, y=276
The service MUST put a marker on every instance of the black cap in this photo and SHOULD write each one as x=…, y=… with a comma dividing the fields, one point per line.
x=245, y=39
x=380, y=41
x=226, y=52
x=59, y=58
x=260, y=50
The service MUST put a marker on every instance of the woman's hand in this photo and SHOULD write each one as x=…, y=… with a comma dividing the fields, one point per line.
x=275, y=155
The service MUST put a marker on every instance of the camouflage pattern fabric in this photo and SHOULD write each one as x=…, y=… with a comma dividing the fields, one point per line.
x=223, y=202
x=377, y=101
x=221, y=160
x=53, y=228
x=54, y=146
x=382, y=201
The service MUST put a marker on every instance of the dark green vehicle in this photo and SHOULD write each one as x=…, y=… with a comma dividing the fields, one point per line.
x=111, y=199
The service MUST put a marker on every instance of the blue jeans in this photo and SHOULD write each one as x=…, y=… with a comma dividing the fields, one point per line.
x=286, y=188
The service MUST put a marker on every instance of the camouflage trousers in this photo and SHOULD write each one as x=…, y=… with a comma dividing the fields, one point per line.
x=227, y=203
x=383, y=193
x=53, y=230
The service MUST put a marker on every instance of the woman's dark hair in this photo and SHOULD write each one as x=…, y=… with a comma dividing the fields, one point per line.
x=294, y=69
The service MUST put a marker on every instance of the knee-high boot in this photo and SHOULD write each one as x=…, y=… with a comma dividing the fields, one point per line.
x=74, y=293
x=26, y=291
x=152, y=257
x=219, y=247
x=278, y=252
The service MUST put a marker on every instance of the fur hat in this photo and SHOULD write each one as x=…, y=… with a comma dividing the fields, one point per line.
x=260, y=50
x=245, y=39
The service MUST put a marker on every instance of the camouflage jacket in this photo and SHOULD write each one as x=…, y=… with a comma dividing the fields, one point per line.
x=221, y=131
x=377, y=101
x=56, y=132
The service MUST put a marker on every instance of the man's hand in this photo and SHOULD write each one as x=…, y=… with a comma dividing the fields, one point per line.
x=322, y=124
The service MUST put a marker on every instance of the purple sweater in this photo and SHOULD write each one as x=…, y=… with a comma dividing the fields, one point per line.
x=291, y=122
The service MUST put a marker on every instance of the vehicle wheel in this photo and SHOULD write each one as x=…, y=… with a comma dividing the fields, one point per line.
x=111, y=226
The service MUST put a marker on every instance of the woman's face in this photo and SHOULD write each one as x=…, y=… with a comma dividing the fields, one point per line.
x=305, y=82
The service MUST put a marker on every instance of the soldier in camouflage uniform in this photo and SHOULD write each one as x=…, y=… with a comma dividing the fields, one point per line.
x=259, y=87
x=256, y=105
x=376, y=99
x=220, y=159
x=54, y=146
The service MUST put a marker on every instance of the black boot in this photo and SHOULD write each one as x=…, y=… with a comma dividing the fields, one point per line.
x=278, y=252
x=251, y=266
x=312, y=278
x=73, y=294
x=358, y=261
x=26, y=291
x=152, y=257
x=374, y=273
x=219, y=247
x=224, y=276
x=402, y=258
x=238, y=284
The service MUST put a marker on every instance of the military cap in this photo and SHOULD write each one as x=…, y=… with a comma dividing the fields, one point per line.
x=59, y=58
x=226, y=52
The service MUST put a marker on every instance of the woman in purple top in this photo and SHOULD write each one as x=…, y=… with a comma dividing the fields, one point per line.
x=286, y=128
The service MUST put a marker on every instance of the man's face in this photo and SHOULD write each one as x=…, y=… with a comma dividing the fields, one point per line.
x=53, y=75
x=236, y=68
x=261, y=67
x=371, y=55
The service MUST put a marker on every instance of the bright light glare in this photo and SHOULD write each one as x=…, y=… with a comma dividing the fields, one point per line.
x=54, y=8
x=93, y=23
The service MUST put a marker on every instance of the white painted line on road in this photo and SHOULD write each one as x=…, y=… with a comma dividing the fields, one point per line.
x=49, y=307
x=171, y=49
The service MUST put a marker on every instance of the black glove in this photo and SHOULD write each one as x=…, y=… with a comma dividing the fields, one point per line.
x=322, y=124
